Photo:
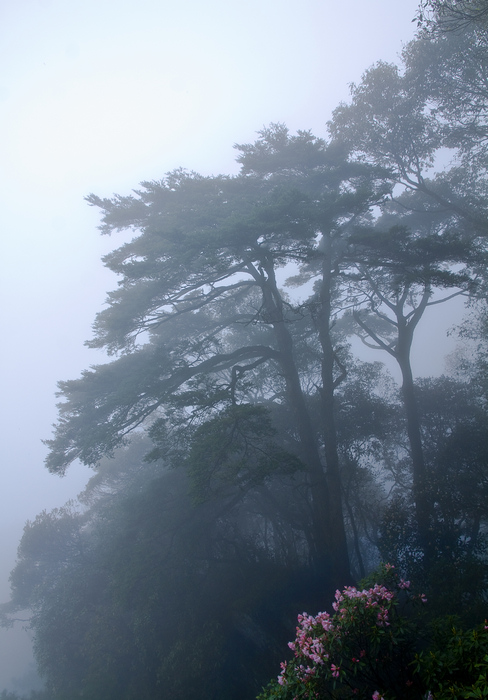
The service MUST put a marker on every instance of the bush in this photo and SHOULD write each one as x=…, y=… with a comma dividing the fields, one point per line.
x=377, y=644
x=456, y=664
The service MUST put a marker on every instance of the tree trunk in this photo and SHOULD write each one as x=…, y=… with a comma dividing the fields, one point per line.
x=331, y=557
x=419, y=477
x=340, y=553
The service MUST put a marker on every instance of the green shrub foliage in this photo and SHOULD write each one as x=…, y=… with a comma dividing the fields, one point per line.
x=378, y=643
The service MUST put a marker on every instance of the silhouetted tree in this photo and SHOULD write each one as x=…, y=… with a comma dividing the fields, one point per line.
x=202, y=270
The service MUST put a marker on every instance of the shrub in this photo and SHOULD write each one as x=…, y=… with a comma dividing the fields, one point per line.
x=377, y=644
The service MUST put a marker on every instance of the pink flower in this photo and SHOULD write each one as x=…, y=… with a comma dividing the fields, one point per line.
x=377, y=696
x=335, y=670
x=281, y=677
x=382, y=618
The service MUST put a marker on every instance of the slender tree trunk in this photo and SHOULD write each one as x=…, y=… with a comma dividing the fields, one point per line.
x=419, y=476
x=331, y=556
x=406, y=324
x=355, y=533
x=323, y=320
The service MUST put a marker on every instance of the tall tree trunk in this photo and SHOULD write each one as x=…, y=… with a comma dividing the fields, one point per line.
x=419, y=476
x=405, y=325
x=323, y=320
x=331, y=556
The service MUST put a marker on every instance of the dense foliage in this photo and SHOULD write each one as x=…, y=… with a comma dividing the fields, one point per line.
x=379, y=644
x=247, y=462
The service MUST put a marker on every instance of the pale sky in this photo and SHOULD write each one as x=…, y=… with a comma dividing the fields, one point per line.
x=97, y=95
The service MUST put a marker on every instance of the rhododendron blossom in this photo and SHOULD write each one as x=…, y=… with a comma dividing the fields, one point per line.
x=348, y=651
x=369, y=648
x=319, y=639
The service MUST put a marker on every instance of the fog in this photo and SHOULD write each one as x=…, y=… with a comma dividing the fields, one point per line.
x=96, y=97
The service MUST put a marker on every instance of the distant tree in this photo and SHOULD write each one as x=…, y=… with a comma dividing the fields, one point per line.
x=411, y=118
x=404, y=120
x=450, y=70
x=369, y=428
x=453, y=420
x=395, y=283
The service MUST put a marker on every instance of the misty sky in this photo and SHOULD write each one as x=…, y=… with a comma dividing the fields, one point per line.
x=96, y=96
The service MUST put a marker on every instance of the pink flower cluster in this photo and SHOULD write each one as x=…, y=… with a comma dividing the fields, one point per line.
x=309, y=644
x=315, y=636
x=347, y=650
x=376, y=597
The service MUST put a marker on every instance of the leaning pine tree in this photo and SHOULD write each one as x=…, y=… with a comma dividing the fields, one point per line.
x=199, y=309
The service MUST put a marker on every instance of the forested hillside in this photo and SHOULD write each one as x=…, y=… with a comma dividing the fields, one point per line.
x=247, y=463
